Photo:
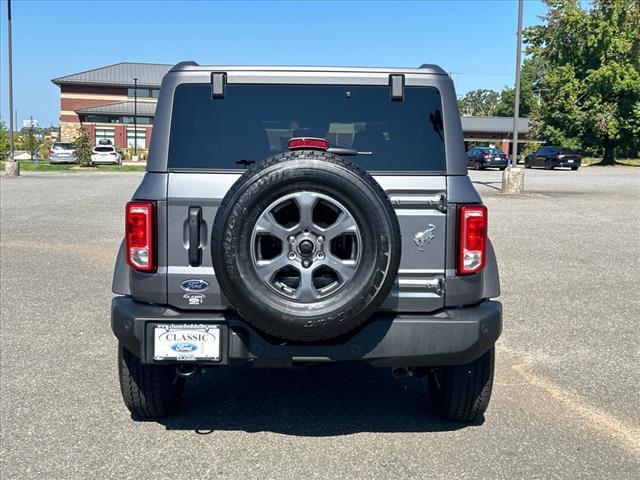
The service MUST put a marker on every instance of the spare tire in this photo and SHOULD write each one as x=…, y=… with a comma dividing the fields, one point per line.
x=306, y=245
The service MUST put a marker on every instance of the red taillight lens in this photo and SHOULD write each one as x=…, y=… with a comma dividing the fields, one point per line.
x=308, y=142
x=51, y=152
x=139, y=234
x=485, y=156
x=472, y=238
x=112, y=153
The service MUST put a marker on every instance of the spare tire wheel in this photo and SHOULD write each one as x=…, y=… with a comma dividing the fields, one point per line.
x=306, y=245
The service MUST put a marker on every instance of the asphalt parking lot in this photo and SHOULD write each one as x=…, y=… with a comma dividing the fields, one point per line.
x=565, y=402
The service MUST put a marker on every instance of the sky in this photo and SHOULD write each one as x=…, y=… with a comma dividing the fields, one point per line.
x=474, y=40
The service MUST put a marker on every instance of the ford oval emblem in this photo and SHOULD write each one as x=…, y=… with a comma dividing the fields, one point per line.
x=184, y=347
x=194, y=285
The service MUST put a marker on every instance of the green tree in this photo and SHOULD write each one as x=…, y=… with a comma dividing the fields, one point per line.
x=84, y=148
x=480, y=102
x=4, y=141
x=589, y=90
x=529, y=83
x=30, y=142
x=45, y=146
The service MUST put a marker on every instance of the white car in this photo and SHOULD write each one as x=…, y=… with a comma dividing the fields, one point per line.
x=103, y=154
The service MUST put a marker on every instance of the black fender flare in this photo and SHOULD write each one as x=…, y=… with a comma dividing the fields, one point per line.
x=490, y=274
x=120, y=283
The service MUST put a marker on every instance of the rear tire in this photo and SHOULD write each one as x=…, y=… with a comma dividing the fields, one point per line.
x=148, y=391
x=574, y=168
x=547, y=165
x=479, y=166
x=462, y=392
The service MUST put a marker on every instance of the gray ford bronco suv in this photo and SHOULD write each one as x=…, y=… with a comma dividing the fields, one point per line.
x=296, y=215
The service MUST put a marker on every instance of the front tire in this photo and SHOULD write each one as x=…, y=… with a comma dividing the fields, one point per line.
x=462, y=392
x=148, y=391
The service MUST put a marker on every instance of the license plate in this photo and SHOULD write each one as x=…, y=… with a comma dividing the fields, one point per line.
x=570, y=161
x=186, y=342
x=63, y=154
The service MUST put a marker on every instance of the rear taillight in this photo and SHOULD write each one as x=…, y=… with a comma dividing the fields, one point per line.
x=112, y=153
x=51, y=152
x=472, y=238
x=139, y=235
x=308, y=142
x=485, y=156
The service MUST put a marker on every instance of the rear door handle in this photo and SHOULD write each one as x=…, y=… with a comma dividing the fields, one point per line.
x=195, y=252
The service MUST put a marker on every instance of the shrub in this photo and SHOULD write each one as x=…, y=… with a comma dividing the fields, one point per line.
x=84, y=148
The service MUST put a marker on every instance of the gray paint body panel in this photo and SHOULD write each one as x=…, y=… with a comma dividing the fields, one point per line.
x=423, y=273
x=416, y=288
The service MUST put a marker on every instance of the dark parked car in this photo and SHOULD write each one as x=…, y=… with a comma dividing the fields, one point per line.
x=552, y=157
x=483, y=157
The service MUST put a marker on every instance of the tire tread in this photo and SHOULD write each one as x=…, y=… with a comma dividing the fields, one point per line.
x=148, y=391
x=465, y=390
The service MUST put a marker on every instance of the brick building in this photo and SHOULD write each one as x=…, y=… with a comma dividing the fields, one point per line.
x=497, y=131
x=102, y=101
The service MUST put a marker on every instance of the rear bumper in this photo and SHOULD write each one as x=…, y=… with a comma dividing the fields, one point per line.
x=567, y=163
x=448, y=337
x=104, y=161
x=495, y=163
x=55, y=159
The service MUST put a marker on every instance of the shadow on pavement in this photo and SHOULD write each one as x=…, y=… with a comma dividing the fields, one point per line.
x=318, y=400
x=489, y=184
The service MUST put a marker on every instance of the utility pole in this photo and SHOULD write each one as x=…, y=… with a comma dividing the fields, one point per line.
x=11, y=168
x=135, y=117
x=513, y=177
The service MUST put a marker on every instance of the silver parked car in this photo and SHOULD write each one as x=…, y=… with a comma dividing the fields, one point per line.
x=105, y=155
x=62, y=152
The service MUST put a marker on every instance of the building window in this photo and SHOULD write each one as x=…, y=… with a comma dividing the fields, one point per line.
x=143, y=92
x=115, y=119
x=140, y=138
x=105, y=134
x=97, y=119
x=141, y=120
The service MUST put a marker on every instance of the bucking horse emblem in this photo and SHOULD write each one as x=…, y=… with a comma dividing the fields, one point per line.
x=424, y=238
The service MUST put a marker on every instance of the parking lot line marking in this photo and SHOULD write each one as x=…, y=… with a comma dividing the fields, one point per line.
x=627, y=435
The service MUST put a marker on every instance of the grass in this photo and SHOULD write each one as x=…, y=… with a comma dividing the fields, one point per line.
x=631, y=162
x=29, y=166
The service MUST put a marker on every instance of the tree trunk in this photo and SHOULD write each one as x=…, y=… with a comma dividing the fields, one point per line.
x=609, y=152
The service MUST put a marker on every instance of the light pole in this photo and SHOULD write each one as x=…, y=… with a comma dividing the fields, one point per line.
x=513, y=177
x=12, y=167
x=135, y=117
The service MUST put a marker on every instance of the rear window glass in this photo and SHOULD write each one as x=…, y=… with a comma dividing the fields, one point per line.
x=103, y=149
x=494, y=151
x=253, y=122
x=63, y=146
